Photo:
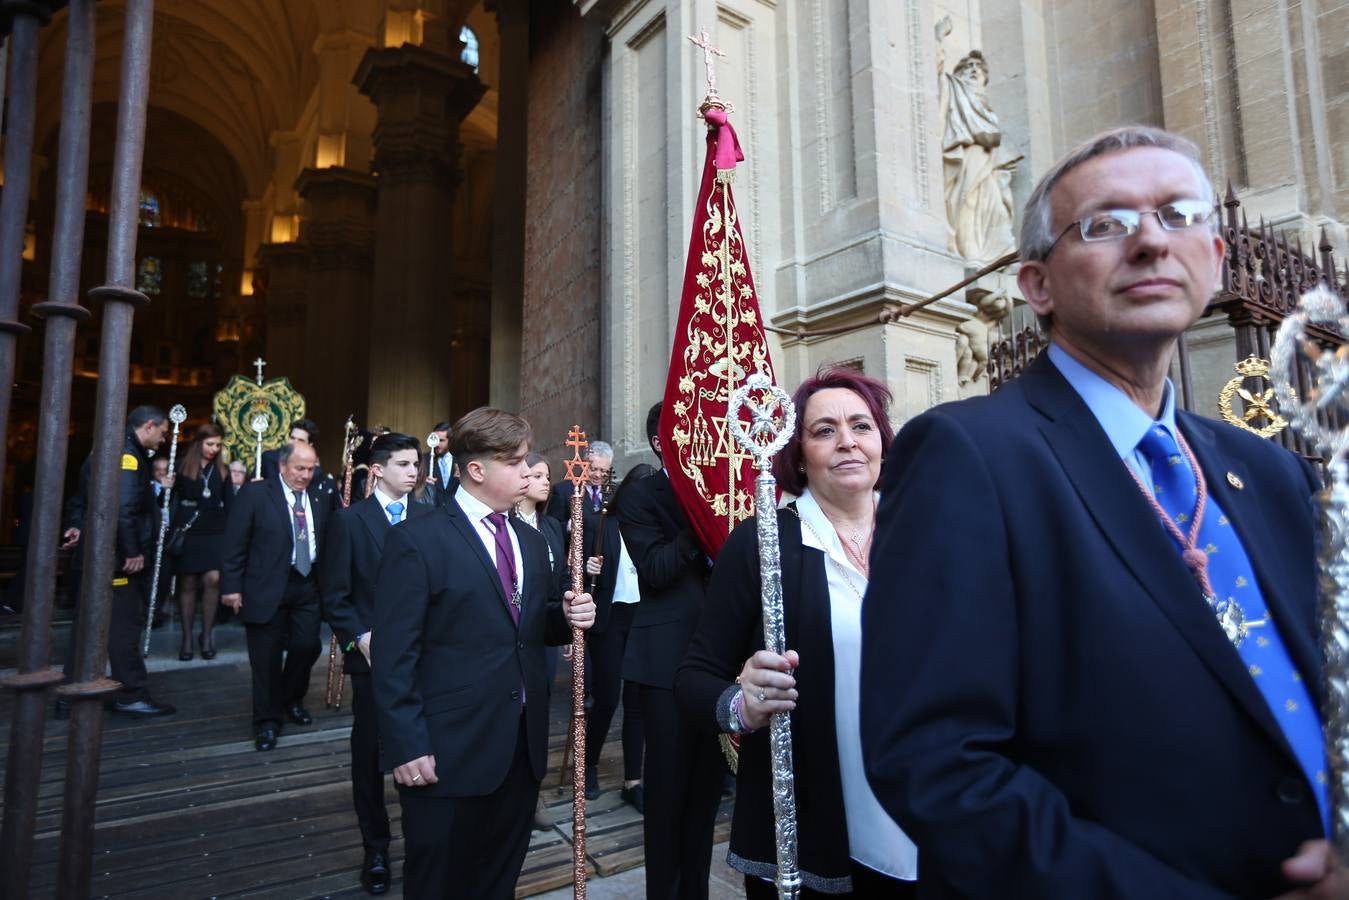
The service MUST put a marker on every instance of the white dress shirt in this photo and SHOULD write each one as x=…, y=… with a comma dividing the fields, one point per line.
x=625, y=583
x=288, y=494
x=477, y=513
x=873, y=837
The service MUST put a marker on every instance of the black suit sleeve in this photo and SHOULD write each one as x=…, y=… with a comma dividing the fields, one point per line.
x=238, y=530
x=726, y=634
x=339, y=606
x=659, y=560
x=939, y=693
x=130, y=498
x=559, y=502
x=401, y=599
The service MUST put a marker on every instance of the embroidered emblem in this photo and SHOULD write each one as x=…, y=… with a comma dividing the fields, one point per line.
x=130, y=463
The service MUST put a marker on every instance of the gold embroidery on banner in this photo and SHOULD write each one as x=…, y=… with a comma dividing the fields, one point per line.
x=724, y=347
x=243, y=398
x=1258, y=403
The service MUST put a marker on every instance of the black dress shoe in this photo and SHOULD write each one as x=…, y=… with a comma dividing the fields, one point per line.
x=299, y=715
x=635, y=796
x=144, y=709
x=206, y=652
x=185, y=655
x=375, y=872
x=266, y=739
x=592, y=783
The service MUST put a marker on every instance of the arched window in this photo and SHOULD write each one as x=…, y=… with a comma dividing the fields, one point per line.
x=150, y=212
x=470, y=40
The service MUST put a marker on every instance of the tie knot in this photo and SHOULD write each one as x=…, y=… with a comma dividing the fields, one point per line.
x=498, y=520
x=299, y=499
x=1159, y=446
x=396, y=508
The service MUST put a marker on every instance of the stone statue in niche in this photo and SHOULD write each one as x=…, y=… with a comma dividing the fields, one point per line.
x=972, y=335
x=977, y=168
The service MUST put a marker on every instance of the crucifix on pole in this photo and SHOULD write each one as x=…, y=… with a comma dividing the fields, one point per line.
x=704, y=42
x=258, y=364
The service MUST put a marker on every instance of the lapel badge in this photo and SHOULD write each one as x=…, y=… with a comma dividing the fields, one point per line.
x=1236, y=482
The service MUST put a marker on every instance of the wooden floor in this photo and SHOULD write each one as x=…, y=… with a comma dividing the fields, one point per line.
x=187, y=808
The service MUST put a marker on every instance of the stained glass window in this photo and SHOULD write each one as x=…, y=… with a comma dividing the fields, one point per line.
x=151, y=216
x=149, y=276
x=470, y=40
x=198, y=279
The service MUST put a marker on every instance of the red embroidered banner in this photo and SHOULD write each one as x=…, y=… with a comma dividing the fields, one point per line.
x=719, y=342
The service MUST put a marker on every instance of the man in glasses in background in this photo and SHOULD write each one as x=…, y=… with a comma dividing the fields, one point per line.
x=1108, y=685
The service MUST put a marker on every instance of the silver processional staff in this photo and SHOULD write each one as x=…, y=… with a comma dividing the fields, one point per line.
x=772, y=423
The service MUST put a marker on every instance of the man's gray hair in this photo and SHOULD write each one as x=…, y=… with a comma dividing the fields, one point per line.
x=289, y=450
x=1037, y=222
x=600, y=448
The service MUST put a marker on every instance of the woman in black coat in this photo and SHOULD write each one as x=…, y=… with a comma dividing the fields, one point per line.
x=202, y=495
x=847, y=844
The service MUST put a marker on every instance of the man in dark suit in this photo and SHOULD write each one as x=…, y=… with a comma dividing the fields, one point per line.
x=274, y=544
x=351, y=564
x=1060, y=696
x=302, y=431
x=465, y=603
x=683, y=773
x=438, y=468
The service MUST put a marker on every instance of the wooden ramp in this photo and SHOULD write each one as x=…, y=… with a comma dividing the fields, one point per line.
x=187, y=808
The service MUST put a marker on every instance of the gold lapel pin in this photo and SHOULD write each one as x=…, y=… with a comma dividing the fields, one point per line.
x=1233, y=480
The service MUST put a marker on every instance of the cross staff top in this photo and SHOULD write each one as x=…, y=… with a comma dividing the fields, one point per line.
x=258, y=364
x=703, y=42
x=578, y=469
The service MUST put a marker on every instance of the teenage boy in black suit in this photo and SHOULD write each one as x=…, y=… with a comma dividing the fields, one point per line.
x=351, y=564
x=274, y=541
x=465, y=603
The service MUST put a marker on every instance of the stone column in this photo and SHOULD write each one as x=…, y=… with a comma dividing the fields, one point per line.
x=287, y=299
x=339, y=234
x=421, y=96
x=508, y=225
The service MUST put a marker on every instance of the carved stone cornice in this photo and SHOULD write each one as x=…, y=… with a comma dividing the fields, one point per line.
x=339, y=229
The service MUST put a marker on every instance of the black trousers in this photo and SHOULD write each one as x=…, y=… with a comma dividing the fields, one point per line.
x=367, y=779
x=867, y=884
x=604, y=659
x=282, y=651
x=632, y=731
x=125, y=632
x=470, y=847
x=682, y=783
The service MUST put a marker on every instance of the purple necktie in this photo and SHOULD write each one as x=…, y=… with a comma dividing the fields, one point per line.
x=505, y=562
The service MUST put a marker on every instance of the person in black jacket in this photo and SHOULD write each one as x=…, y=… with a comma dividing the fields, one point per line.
x=683, y=773
x=202, y=495
x=274, y=545
x=137, y=524
x=351, y=565
x=847, y=843
x=464, y=604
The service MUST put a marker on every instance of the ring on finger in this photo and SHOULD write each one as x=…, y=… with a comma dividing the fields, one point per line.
x=417, y=777
x=762, y=695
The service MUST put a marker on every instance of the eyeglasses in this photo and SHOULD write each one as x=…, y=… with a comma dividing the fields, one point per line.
x=1112, y=224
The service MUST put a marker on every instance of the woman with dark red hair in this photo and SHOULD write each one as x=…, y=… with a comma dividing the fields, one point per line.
x=848, y=846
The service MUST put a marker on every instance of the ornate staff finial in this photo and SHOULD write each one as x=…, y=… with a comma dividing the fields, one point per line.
x=258, y=364
x=578, y=469
x=704, y=43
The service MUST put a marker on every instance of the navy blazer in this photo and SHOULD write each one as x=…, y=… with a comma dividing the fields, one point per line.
x=448, y=660
x=1049, y=708
x=350, y=567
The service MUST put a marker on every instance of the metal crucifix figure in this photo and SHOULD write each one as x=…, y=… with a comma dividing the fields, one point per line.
x=578, y=473
x=703, y=42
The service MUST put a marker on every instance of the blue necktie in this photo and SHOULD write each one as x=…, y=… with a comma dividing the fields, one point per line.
x=395, y=512
x=1233, y=580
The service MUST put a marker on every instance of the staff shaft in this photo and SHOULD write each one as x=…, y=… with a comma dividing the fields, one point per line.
x=159, y=545
x=578, y=690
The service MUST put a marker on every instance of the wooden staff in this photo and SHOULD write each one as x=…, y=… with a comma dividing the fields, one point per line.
x=332, y=699
x=578, y=473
